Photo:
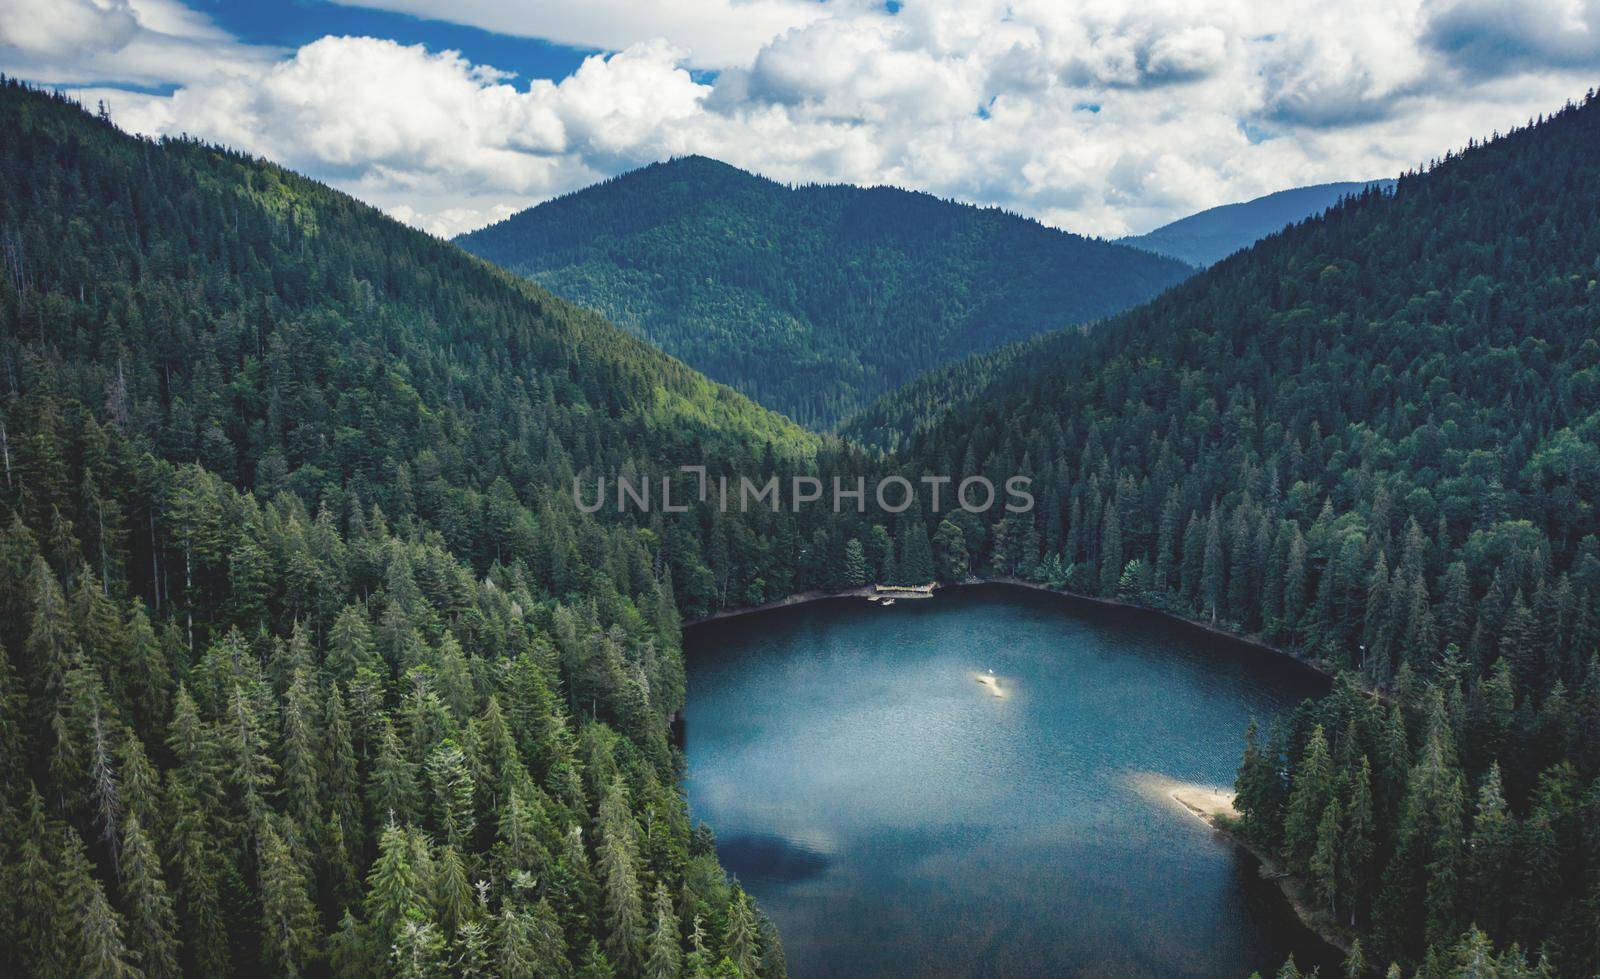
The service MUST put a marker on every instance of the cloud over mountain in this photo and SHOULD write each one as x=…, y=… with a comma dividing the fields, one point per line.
x=1106, y=120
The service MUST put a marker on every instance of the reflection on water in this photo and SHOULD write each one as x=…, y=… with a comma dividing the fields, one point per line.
x=897, y=818
x=760, y=856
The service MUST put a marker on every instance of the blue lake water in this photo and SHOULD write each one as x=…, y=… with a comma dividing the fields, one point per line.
x=894, y=816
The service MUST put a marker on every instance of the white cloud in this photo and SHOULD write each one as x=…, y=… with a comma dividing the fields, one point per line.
x=1106, y=120
x=712, y=33
x=143, y=42
x=436, y=140
x=66, y=28
x=1493, y=37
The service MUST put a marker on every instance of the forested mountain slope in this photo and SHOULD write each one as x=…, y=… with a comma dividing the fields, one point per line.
x=894, y=421
x=308, y=662
x=812, y=300
x=1211, y=235
x=1375, y=437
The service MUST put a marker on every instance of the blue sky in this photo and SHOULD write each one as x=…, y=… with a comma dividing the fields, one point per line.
x=1107, y=118
x=293, y=23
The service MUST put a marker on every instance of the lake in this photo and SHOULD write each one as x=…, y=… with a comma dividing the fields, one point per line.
x=896, y=816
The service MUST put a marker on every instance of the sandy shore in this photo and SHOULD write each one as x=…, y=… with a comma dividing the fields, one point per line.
x=1205, y=802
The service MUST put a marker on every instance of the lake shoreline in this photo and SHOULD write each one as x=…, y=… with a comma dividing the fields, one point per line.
x=1295, y=889
x=867, y=591
x=1213, y=805
x=798, y=598
x=1207, y=806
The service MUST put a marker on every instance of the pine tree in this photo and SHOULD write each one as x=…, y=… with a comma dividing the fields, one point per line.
x=1517, y=642
x=197, y=883
x=31, y=887
x=516, y=957
x=1442, y=791
x=418, y=951
x=740, y=939
x=83, y=760
x=1308, y=799
x=1167, y=539
x=951, y=558
x=300, y=770
x=94, y=943
x=50, y=646
x=548, y=943
x=395, y=890
x=624, y=906
x=1110, y=550
x=148, y=678
x=141, y=785
x=152, y=926
x=1359, y=842
x=247, y=763
x=916, y=562
x=1355, y=961
x=518, y=833
x=289, y=930
x=1256, y=788
x=856, y=572
x=392, y=792
x=350, y=644
x=594, y=965
x=774, y=962
x=452, y=892
x=1211, y=581
x=341, y=784
x=698, y=962
x=1494, y=858
x=663, y=959
x=348, y=955
x=471, y=953
x=879, y=548
x=1419, y=902
x=1324, y=864
x=1294, y=580
x=453, y=790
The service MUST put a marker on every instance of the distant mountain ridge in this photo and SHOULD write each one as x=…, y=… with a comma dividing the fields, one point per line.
x=814, y=300
x=1211, y=235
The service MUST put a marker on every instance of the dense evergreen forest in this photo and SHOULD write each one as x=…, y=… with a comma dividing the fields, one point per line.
x=1374, y=437
x=812, y=300
x=308, y=663
x=897, y=419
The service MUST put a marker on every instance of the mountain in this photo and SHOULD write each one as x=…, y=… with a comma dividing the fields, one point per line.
x=1210, y=236
x=1373, y=438
x=309, y=664
x=812, y=300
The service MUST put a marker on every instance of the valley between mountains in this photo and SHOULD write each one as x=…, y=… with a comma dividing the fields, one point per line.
x=310, y=663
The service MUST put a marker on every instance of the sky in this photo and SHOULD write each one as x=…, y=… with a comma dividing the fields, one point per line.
x=1103, y=118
